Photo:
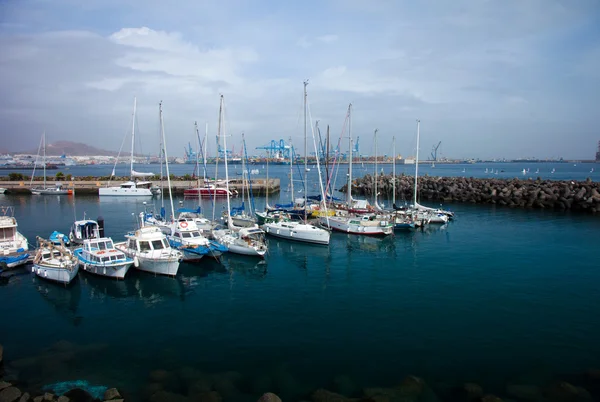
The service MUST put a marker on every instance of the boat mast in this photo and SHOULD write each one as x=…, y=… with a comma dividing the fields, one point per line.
x=204, y=146
x=214, y=188
x=44, y=161
x=349, y=201
x=226, y=169
x=267, y=186
x=417, y=161
x=394, y=172
x=327, y=164
x=132, y=138
x=376, y=172
x=292, y=171
x=164, y=151
x=305, y=154
x=161, y=156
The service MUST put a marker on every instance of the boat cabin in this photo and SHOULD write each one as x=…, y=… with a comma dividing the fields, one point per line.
x=84, y=230
x=8, y=229
x=100, y=244
x=147, y=245
x=137, y=184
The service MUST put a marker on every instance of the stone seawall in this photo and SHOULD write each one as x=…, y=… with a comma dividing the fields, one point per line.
x=549, y=194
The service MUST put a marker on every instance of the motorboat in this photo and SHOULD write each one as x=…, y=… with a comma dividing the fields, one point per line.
x=13, y=245
x=83, y=230
x=99, y=256
x=54, y=263
x=246, y=241
x=150, y=250
x=187, y=238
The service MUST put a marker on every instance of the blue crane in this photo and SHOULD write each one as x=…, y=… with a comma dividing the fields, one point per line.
x=277, y=149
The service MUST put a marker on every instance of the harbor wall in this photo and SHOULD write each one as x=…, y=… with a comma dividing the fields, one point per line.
x=90, y=186
x=544, y=194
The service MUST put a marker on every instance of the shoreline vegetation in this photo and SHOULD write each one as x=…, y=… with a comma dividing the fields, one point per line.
x=27, y=379
x=518, y=193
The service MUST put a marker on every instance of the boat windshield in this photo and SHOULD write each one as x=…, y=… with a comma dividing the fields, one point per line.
x=144, y=245
x=103, y=245
x=7, y=233
x=195, y=234
x=158, y=244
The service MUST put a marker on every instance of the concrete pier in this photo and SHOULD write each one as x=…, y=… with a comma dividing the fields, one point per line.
x=90, y=187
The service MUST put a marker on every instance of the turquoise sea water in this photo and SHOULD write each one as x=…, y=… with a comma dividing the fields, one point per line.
x=490, y=297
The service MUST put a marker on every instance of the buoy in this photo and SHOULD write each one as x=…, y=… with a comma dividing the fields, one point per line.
x=136, y=262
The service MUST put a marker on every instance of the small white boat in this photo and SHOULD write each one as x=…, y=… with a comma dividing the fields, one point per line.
x=591, y=171
x=553, y=170
x=2, y=190
x=13, y=245
x=368, y=225
x=83, y=230
x=524, y=171
x=56, y=190
x=150, y=250
x=187, y=238
x=287, y=229
x=99, y=256
x=54, y=263
x=246, y=241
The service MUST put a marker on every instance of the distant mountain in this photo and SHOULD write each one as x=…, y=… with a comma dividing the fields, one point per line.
x=71, y=149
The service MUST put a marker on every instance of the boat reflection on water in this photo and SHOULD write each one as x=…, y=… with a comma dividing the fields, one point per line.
x=138, y=285
x=239, y=265
x=370, y=244
x=64, y=300
x=299, y=254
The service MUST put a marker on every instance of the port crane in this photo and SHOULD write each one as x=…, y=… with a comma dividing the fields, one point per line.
x=434, y=151
x=277, y=149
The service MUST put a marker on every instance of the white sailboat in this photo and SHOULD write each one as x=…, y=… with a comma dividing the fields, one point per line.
x=343, y=221
x=300, y=231
x=57, y=189
x=54, y=263
x=133, y=187
x=427, y=214
x=244, y=241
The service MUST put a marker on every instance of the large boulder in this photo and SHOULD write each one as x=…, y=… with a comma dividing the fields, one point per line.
x=322, y=395
x=524, y=392
x=269, y=397
x=111, y=393
x=566, y=392
x=10, y=394
x=25, y=397
x=4, y=384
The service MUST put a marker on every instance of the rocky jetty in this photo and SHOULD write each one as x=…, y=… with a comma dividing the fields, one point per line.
x=543, y=194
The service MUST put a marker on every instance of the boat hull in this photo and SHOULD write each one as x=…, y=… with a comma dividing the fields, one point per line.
x=111, y=271
x=49, y=191
x=314, y=236
x=54, y=274
x=14, y=260
x=205, y=192
x=158, y=266
x=125, y=192
x=345, y=227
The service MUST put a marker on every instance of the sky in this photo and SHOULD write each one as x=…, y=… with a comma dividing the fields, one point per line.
x=489, y=79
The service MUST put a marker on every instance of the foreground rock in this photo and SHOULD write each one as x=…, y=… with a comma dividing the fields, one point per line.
x=10, y=394
x=542, y=194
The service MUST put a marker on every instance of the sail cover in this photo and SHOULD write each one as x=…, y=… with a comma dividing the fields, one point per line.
x=140, y=174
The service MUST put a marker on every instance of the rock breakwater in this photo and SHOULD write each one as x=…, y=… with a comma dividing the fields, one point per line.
x=543, y=194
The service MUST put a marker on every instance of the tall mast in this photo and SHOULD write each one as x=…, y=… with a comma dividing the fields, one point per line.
x=198, y=150
x=327, y=163
x=226, y=170
x=132, y=138
x=267, y=188
x=305, y=153
x=214, y=189
x=417, y=161
x=44, y=159
x=349, y=201
x=394, y=171
x=292, y=170
x=164, y=151
x=204, y=150
x=376, y=172
x=161, y=155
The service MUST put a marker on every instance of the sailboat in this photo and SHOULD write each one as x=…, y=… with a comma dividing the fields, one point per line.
x=245, y=241
x=57, y=190
x=300, y=231
x=133, y=187
x=401, y=218
x=346, y=222
x=427, y=214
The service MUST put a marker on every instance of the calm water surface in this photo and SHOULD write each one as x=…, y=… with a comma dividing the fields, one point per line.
x=485, y=298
